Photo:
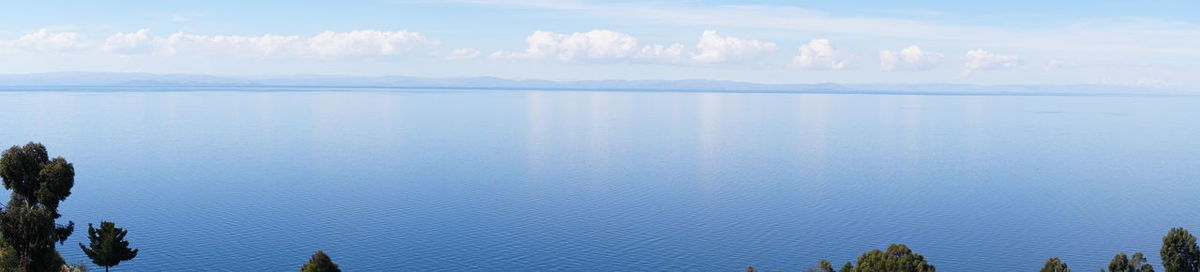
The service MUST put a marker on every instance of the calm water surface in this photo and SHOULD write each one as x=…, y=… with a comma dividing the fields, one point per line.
x=246, y=180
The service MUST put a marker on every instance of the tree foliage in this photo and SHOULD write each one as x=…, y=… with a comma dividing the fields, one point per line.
x=107, y=246
x=823, y=266
x=320, y=262
x=1123, y=263
x=1055, y=265
x=30, y=232
x=34, y=178
x=846, y=268
x=38, y=185
x=897, y=258
x=1179, y=252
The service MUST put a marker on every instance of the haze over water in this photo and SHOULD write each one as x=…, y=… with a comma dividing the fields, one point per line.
x=444, y=180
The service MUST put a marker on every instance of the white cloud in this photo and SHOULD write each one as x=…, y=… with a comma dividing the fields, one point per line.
x=1119, y=35
x=820, y=54
x=715, y=48
x=139, y=42
x=240, y=46
x=762, y=16
x=909, y=58
x=979, y=59
x=326, y=44
x=674, y=53
x=1121, y=41
x=612, y=45
x=44, y=40
x=368, y=42
x=463, y=53
x=595, y=44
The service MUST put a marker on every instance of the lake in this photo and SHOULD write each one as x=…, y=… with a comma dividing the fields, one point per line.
x=246, y=179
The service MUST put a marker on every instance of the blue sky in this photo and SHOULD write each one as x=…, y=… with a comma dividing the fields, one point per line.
x=1136, y=43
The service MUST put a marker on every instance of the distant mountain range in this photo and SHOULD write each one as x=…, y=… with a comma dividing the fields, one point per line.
x=83, y=80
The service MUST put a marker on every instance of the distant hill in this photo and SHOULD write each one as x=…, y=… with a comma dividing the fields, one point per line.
x=108, y=79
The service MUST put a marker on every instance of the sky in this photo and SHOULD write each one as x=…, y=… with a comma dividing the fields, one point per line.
x=1148, y=43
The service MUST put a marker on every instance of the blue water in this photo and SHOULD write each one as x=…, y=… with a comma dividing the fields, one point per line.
x=454, y=180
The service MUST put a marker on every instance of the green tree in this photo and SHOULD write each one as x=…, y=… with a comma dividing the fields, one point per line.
x=847, y=268
x=1055, y=265
x=897, y=258
x=1179, y=252
x=34, y=178
x=29, y=232
x=823, y=266
x=38, y=185
x=108, y=247
x=320, y=262
x=1123, y=263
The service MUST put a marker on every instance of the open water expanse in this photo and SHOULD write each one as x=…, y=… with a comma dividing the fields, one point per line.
x=244, y=179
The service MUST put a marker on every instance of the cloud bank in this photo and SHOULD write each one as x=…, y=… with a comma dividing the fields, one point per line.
x=715, y=48
x=979, y=59
x=608, y=45
x=595, y=44
x=909, y=58
x=45, y=40
x=357, y=43
x=819, y=54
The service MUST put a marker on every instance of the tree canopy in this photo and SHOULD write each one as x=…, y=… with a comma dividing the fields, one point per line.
x=1123, y=263
x=1055, y=265
x=897, y=258
x=38, y=185
x=823, y=266
x=1179, y=252
x=34, y=178
x=107, y=246
x=846, y=268
x=320, y=262
x=30, y=232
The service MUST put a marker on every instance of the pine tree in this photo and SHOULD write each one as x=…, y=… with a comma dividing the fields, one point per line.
x=1055, y=265
x=108, y=246
x=320, y=262
x=823, y=266
x=1122, y=263
x=847, y=268
x=1179, y=252
x=897, y=258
